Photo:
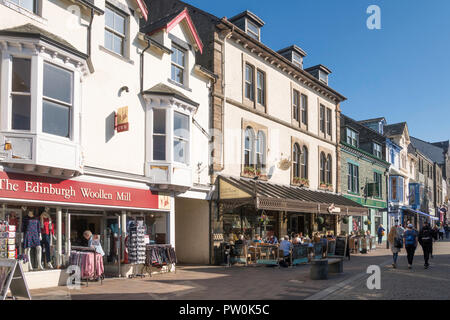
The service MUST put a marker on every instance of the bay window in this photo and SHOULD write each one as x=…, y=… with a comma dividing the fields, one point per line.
x=159, y=134
x=57, y=100
x=30, y=5
x=21, y=94
x=180, y=138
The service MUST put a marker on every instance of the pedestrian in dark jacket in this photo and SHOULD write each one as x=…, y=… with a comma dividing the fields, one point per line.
x=426, y=241
x=410, y=237
x=380, y=234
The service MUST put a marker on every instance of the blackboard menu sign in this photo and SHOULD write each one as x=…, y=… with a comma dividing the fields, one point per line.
x=340, y=246
x=299, y=254
x=331, y=247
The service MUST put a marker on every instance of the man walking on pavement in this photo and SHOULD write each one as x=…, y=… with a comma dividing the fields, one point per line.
x=410, y=244
x=426, y=241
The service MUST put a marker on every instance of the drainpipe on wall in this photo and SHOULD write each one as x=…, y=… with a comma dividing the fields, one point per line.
x=142, y=63
x=89, y=43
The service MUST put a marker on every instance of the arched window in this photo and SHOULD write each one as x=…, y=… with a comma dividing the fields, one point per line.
x=323, y=161
x=249, y=147
x=261, y=151
x=296, y=160
x=304, y=163
x=328, y=168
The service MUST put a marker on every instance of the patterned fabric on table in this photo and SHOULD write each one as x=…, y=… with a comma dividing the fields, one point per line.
x=31, y=229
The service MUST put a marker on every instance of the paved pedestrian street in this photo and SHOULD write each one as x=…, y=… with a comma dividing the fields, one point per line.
x=262, y=283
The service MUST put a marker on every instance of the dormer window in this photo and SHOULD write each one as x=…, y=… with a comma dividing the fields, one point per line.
x=294, y=54
x=320, y=72
x=297, y=59
x=250, y=23
x=252, y=30
x=323, y=77
x=377, y=150
x=352, y=137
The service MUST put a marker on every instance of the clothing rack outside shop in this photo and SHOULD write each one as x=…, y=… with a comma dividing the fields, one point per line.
x=160, y=255
x=96, y=275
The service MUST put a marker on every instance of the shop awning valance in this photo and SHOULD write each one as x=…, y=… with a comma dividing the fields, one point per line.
x=420, y=213
x=269, y=196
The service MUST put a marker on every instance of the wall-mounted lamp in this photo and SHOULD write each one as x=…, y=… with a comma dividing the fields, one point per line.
x=8, y=145
x=124, y=88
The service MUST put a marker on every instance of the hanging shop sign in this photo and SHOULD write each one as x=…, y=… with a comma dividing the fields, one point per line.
x=122, y=124
x=46, y=189
x=164, y=202
x=228, y=191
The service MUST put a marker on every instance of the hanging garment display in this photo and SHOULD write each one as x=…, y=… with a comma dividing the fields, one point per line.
x=136, y=242
x=159, y=255
x=90, y=264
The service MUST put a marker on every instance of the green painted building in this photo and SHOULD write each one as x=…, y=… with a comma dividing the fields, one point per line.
x=364, y=174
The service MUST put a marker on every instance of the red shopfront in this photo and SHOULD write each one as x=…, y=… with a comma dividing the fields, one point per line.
x=74, y=206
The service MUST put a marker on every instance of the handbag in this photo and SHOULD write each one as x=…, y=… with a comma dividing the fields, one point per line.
x=398, y=243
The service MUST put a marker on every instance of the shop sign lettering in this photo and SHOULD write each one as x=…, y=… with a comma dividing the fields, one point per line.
x=20, y=186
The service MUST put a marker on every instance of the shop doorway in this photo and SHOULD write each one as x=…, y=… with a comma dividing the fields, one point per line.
x=299, y=223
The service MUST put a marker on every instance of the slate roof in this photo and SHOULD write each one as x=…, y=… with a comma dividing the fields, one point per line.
x=160, y=23
x=165, y=90
x=372, y=120
x=433, y=152
x=31, y=31
x=394, y=129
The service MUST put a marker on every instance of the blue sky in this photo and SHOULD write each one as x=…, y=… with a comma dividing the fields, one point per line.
x=400, y=72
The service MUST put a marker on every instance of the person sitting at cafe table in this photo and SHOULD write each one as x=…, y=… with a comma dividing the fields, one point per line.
x=272, y=240
x=316, y=238
x=286, y=246
x=240, y=240
x=257, y=239
x=296, y=239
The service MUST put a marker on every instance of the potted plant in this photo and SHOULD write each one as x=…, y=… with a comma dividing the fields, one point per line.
x=249, y=171
x=330, y=187
x=345, y=220
x=323, y=185
x=320, y=220
x=304, y=182
x=296, y=180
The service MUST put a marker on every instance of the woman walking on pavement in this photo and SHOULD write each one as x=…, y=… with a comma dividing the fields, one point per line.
x=395, y=242
x=426, y=241
x=410, y=244
x=380, y=233
x=441, y=232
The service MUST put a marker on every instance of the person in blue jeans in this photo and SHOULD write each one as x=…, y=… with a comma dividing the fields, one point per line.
x=410, y=238
x=380, y=233
x=395, y=242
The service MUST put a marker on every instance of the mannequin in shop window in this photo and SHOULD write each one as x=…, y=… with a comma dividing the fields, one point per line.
x=48, y=234
x=32, y=239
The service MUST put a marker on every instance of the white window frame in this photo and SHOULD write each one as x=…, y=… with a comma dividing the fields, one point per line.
x=251, y=33
x=297, y=59
x=123, y=36
x=377, y=150
x=182, y=139
x=19, y=4
x=261, y=88
x=21, y=94
x=329, y=121
x=354, y=137
x=250, y=84
x=166, y=115
x=178, y=66
x=304, y=109
x=296, y=105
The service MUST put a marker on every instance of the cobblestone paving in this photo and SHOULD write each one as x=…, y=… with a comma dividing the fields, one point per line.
x=264, y=283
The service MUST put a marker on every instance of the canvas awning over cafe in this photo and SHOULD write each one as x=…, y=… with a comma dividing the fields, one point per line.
x=234, y=192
